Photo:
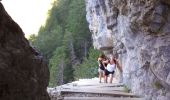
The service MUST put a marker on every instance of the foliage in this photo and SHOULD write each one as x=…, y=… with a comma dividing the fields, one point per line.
x=56, y=65
x=64, y=40
x=126, y=89
x=89, y=67
x=157, y=85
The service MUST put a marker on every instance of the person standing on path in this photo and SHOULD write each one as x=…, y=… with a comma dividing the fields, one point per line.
x=110, y=69
x=101, y=69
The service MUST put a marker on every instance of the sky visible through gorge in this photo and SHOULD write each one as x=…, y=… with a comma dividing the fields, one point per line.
x=29, y=14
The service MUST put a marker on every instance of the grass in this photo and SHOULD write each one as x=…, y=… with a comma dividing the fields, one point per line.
x=126, y=89
x=158, y=85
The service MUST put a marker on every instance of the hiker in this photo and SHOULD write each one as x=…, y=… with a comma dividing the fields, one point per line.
x=101, y=68
x=110, y=69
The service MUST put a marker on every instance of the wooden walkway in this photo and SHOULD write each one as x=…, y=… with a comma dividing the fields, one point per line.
x=91, y=89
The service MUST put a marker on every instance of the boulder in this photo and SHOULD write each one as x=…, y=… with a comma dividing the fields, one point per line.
x=24, y=74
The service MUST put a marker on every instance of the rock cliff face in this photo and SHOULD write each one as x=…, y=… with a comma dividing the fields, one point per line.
x=138, y=33
x=23, y=73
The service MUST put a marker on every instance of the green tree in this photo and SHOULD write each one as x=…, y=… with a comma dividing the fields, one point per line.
x=89, y=67
x=78, y=27
x=57, y=64
x=64, y=40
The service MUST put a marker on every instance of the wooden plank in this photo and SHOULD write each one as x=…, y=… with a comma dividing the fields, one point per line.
x=113, y=93
x=94, y=81
x=99, y=85
x=89, y=89
x=94, y=88
x=90, y=86
x=100, y=98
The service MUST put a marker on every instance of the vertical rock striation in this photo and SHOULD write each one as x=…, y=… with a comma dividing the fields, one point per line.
x=138, y=33
x=23, y=73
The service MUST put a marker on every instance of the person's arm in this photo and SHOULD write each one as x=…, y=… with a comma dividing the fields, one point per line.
x=105, y=62
x=119, y=66
x=98, y=60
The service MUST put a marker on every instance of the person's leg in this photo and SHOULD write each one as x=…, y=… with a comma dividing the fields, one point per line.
x=100, y=75
x=111, y=78
x=103, y=75
x=105, y=79
x=106, y=76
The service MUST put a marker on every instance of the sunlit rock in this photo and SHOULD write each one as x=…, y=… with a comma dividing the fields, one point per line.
x=139, y=32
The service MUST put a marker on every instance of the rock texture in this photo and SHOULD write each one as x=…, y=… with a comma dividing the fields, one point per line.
x=138, y=33
x=23, y=73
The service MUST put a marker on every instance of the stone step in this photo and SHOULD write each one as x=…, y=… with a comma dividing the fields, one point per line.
x=100, y=98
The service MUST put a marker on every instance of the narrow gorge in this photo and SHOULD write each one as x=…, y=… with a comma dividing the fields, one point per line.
x=137, y=32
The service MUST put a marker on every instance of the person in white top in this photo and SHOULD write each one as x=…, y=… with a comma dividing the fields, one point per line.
x=110, y=69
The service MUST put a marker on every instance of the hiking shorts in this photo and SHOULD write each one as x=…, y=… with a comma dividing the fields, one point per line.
x=101, y=71
x=107, y=72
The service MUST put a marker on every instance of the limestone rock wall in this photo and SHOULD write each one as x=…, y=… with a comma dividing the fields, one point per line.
x=23, y=73
x=138, y=33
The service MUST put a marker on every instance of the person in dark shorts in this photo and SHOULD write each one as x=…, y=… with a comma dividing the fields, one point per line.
x=101, y=68
x=110, y=69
